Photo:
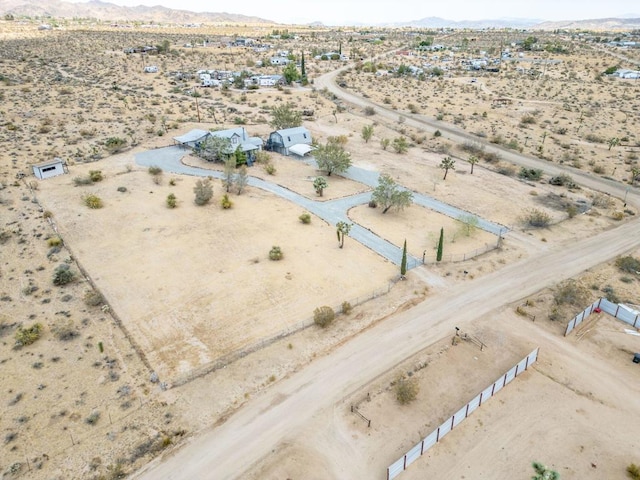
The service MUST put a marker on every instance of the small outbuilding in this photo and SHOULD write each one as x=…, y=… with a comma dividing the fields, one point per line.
x=49, y=169
x=281, y=141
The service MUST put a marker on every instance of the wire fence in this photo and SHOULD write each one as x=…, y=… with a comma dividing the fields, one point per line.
x=235, y=355
x=461, y=257
x=400, y=465
x=621, y=312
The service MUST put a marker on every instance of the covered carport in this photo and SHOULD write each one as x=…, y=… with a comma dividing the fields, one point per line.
x=300, y=149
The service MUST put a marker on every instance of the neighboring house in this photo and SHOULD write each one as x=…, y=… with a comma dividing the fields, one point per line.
x=49, y=169
x=151, y=69
x=240, y=138
x=279, y=61
x=192, y=138
x=625, y=73
x=285, y=141
x=265, y=80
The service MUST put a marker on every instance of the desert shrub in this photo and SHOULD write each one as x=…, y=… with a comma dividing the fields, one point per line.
x=610, y=294
x=601, y=200
x=406, y=390
x=599, y=169
x=96, y=176
x=528, y=120
x=572, y=210
x=65, y=331
x=203, y=191
x=617, y=215
x=275, y=253
x=372, y=204
x=92, y=298
x=570, y=293
x=305, y=218
x=346, y=308
x=506, y=170
x=323, y=316
x=226, y=202
x=536, y=218
x=93, y=201
x=27, y=336
x=490, y=157
x=172, y=201
x=79, y=181
x=93, y=418
x=270, y=169
x=530, y=173
x=628, y=264
x=114, y=144
x=633, y=471
x=593, y=138
x=54, y=241
x=63, y=275
x=122, y=189
x=437, y=133
x=369, y=111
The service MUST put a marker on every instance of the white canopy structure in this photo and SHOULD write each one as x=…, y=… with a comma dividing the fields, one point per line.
x=300, y=149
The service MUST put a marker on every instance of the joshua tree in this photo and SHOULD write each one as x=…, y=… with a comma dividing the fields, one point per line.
x=319, y=184
x=447, y=164
x=367, y=133
x=342, y=230
x=472, y=161
x=613, y=142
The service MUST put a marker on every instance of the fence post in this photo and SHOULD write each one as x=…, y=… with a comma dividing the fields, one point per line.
x=635, y=321
x=480, y=404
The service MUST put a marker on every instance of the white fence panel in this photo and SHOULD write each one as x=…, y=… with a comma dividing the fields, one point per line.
x=395, y=469
x=607, y=306
x=498, y=385
x=473, y=404
x=522, y=365
x=445, y=428
x=486, y=393
x=430, y=440
x=511, y=374
x=413, y=454
x=626, y=316
x=460, y=415
x=533, y=356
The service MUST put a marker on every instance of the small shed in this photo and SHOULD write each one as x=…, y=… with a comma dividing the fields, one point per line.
x=49, y=169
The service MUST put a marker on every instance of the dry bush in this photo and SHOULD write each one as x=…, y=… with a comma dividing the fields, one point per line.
x=628, y=264
x=323, y=316
x=27, y=336
x=536, y=218
x=570, y=293
x=92, y=201
x=406, y=390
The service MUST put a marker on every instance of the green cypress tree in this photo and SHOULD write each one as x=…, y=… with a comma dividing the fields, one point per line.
x=440, y=244
x=303, y=70
x=403, y=263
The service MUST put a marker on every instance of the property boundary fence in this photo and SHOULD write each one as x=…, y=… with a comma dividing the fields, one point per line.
x=434, y=437
x=235, y=355
x=604, y=305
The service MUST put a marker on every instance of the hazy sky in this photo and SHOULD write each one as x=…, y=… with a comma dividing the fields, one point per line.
x=345, y=12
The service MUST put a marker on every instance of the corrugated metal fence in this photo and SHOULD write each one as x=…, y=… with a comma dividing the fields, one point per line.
x=450, y=423
x=615, y=309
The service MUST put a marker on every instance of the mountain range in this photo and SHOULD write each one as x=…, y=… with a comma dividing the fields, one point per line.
x=105, y=11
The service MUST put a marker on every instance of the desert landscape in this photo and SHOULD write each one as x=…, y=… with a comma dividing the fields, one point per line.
x=137, y=335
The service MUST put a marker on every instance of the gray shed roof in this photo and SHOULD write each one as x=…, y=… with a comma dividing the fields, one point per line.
x=192, y=136
x=295, y=135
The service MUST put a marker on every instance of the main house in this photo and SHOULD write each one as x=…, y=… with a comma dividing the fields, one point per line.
x=238, y=137
x=290, y=140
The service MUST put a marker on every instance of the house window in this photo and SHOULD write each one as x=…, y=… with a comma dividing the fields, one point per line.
x=48, y=169
x=304, y=135
x=289, y=138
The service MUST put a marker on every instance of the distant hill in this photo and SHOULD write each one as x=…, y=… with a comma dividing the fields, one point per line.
x=594, y=24
x=437, y=22
x=109, y=12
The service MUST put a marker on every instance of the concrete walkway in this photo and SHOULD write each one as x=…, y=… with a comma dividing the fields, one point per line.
x=331, y=211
